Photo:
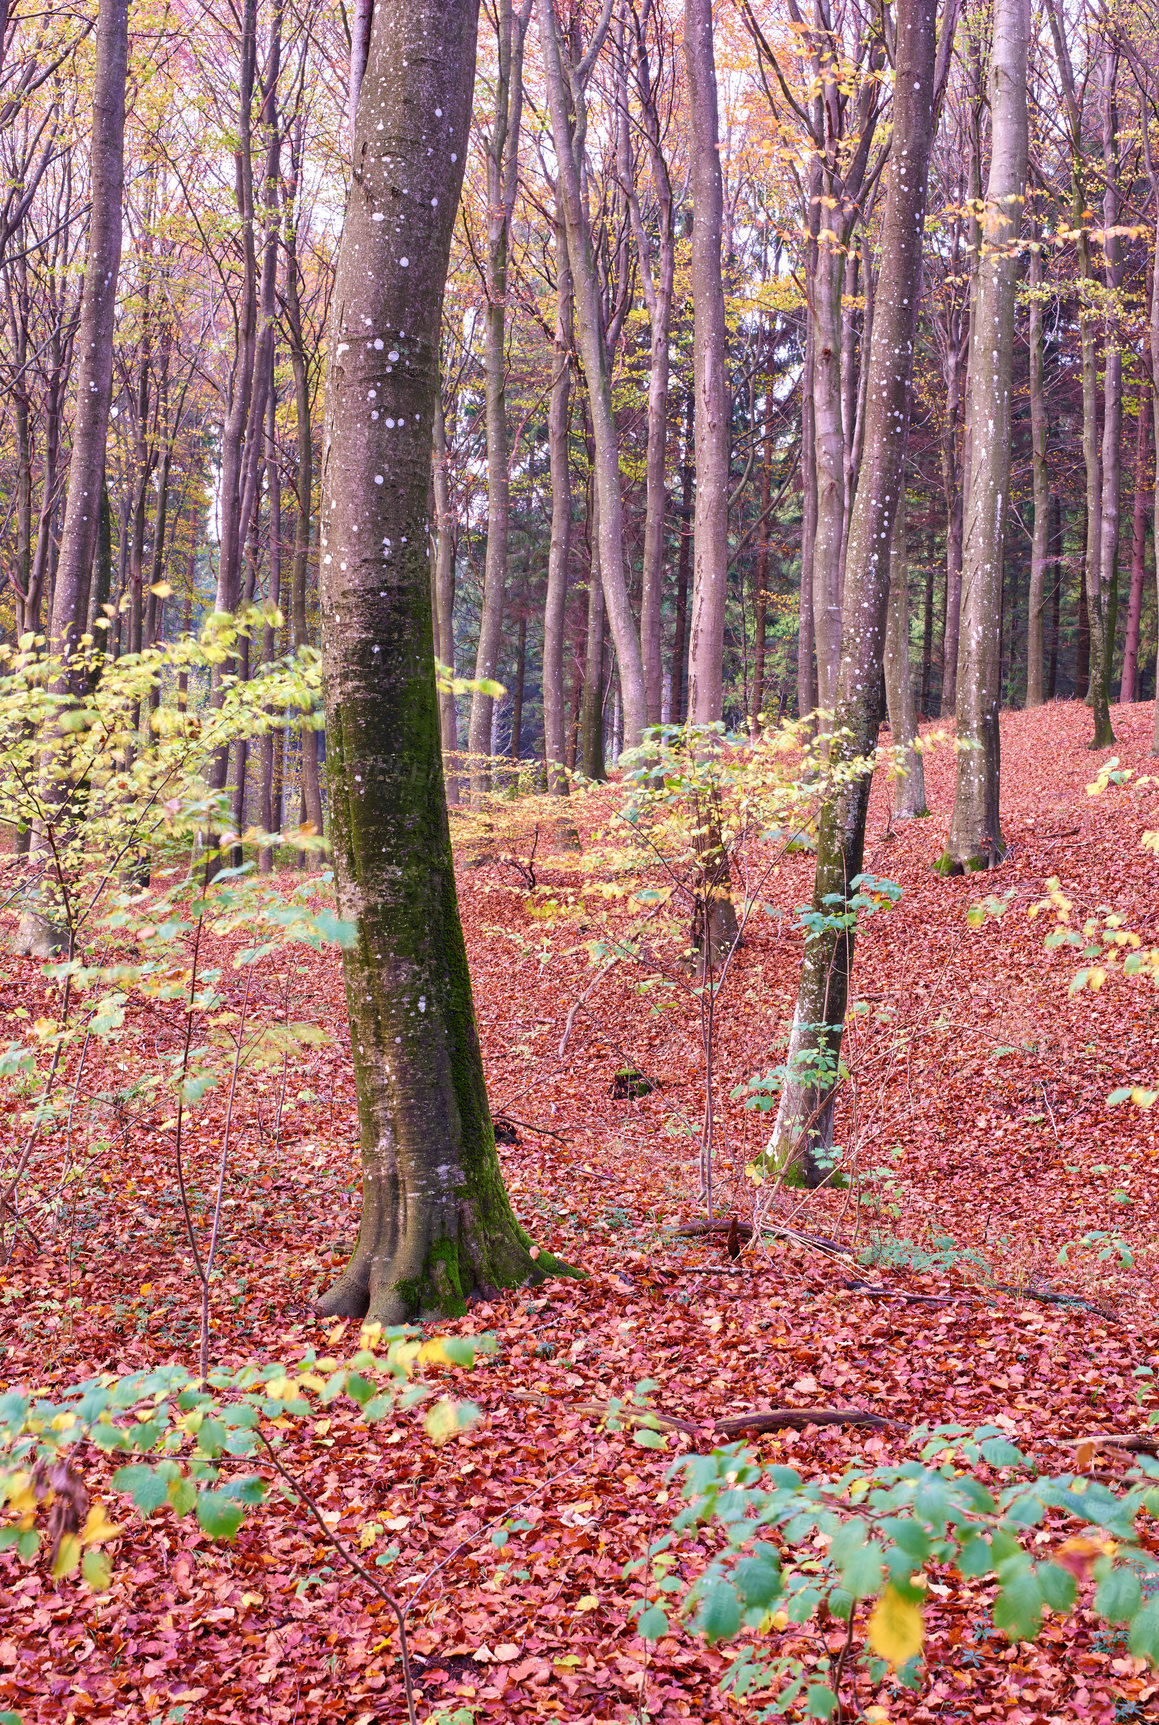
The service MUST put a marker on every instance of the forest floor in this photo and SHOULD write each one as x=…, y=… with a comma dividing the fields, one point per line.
x=980, y=1083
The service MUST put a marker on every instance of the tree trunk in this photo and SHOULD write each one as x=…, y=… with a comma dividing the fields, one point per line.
x=1101, y=595
x=1129, y=685
x=559, y=551
x=592, y=705
x=761, y=592
x=710, y=373
x=94, y=341
x=975, y=840
x=803, y=1134
x=436, y=1225
x=657, y=281
x=444, y=601
x=502, y=152
x=829, y=443
x=1040, y=483
x=1056, y=595
x=677, y=698
x=909, y=785
x=806, y=663
x=568, y=140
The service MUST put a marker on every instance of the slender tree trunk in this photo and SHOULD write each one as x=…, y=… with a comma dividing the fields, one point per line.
x=592, y=706
x=1101, y=595
x=975, y=839
x=803, y=1133
x=436, y=1222
x=559, y=551
x=710, y=372
x=1040, y=482
x=909, y=786
x=928, y=629
x=716, y=925
x=1129, y=685
x=568, y=140
x=38, y=935
x=502, y=151
x=806, y=664
x=830, y=467
x=444, y=601
x=94, y=341
x=269, y=633
x=677, y=706
x=1082, y=658
x=761, y=584
x=1056, y=596
x=517, y=698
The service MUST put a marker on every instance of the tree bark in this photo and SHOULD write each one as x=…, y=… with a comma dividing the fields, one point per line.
x=806, y=661
x=444, y=601
x=677, y=696
x=502, y=151
x=1102, y=598
x=559, y=550
x=975, y=840
x=94, y=343
x=909, y=785
x=657, y=277
x=1040, y=480
x=436, y=1224
x=568, y=131
x=710, y=373
x=803, y=1133
x=1129, y=685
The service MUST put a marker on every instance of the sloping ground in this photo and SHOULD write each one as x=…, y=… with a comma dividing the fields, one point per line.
x=979, y=1083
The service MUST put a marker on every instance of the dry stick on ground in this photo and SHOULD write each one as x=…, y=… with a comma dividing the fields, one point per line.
x=638, y=1416
x=778, y=1419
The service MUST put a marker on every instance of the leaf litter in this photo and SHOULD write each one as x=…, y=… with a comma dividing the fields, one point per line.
x=977, y=1116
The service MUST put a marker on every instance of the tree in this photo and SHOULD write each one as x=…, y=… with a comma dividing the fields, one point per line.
x=567, y=104
x=803, y=1133
x=436, y=1223
x=975, y=840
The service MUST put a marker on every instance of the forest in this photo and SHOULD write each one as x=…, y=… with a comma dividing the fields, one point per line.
x=579, y=618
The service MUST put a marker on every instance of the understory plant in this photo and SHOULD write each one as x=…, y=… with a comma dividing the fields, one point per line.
x=859, y=1557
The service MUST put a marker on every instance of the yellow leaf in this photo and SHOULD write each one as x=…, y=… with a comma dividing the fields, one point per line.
x=434, y=1354
x=896, y=1627
x=97, y=1570
x=589, y=1602
x=160, y=589
x=98, y=1527
x=368, y=1535
x=67, y=1557
x=21, y=1496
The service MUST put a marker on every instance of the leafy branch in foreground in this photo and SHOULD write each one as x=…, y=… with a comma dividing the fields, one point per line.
x=796, y=1550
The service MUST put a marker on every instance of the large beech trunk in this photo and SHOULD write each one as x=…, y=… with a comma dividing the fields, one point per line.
x=975, y=840
x=803, y=1134
x=436, y=1224
x=1129, y=683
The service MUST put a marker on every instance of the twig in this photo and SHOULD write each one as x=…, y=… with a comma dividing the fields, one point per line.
x=779, y=1419
x=371, y=1581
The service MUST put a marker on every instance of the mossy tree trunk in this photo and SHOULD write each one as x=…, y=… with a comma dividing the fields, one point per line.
x=436, y=1223
x=803, y=1134
x=975, y=840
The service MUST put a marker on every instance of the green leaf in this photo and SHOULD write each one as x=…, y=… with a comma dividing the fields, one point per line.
x=1119, y=1596
x=861, y=1576
x=719, y=1614
x=218, y=1514
x=758, y=1579
x=1018, y=1607
x=1144, y=1636
x=182, y=1495
x=652, y=1624
x=147, y=1486
x=648, y=1439
x=1058, y=1586
x=999, y=1453
x=820, y=1701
